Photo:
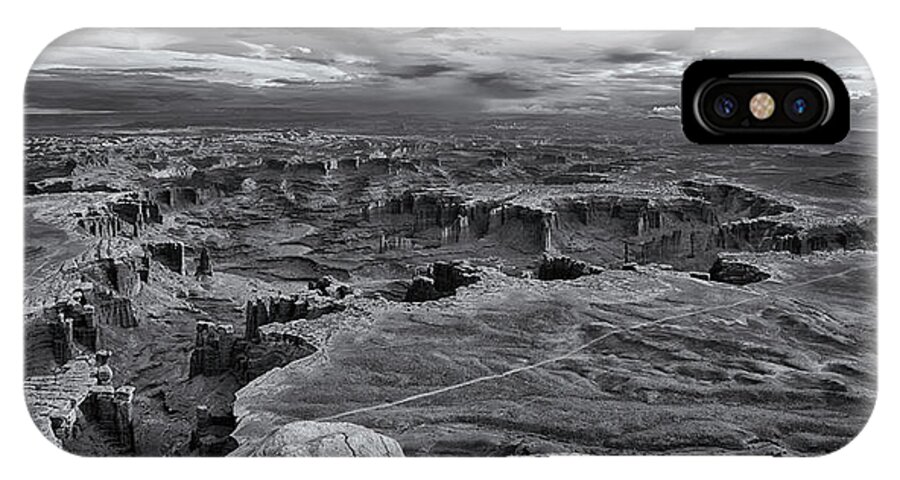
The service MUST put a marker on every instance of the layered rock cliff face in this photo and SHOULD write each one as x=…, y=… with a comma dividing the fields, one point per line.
x=846, y=235
x=130, y=214
x=124, y=275
x=446, y=217
x=127, y=215
x=178, y=197
x=693, y=220
x=734, y=201
x=690, y=222
x=636, y=216
x=51, y=343
x=101, y=222
x=109, y=284
x=51, y=398
x=709, y=218
x=218, y=350
x=137, y=210
x=266, y=342
x=285, y=308
x=111, y=411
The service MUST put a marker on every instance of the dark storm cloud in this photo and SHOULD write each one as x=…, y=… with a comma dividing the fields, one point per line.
x=160, y=100
x=410, y=72
x=115, y=92
x=502, y=85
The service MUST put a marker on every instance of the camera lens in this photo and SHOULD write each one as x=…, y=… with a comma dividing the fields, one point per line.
x=725, y=105
x=801, y=105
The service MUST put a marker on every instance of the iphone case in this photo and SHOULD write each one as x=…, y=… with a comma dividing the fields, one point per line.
x=354, y=242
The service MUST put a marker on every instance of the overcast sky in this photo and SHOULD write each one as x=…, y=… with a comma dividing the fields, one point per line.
x=414, y=71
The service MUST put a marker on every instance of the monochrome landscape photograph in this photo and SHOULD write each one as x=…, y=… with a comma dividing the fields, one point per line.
x=437, y=242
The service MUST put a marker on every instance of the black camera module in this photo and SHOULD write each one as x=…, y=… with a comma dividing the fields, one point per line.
x=725, y=105
x=806, y=102
x=801, y=105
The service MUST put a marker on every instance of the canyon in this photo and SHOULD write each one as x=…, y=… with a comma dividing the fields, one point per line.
x=497, y=291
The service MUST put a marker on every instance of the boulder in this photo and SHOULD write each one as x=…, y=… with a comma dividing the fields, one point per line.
x=422, y=290
x=330, y=287
x=326, y=439
x=732, y=271
x=442, y=280
x=564, y=268
x=448, y=276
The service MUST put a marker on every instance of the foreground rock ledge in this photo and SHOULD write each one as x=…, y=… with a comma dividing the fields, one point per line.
x=323, y=439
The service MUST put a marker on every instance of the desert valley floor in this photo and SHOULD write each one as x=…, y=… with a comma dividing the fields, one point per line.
x=504, y=286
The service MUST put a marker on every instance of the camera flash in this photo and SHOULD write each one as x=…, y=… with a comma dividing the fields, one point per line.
x=762, y=105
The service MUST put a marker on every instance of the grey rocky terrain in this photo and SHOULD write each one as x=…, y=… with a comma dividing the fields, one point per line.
x=498, y=290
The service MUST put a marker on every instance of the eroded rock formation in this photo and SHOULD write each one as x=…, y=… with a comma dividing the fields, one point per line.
x=442, y=280
x=215, y=350
x=564, y=268
x=328, y=286
x=124, y=274
x=211, y=436
x=450, y=218
x=88, y=306
x=79, y=409
x=127, y=215
x=51, y=343
x=138, y=211
x=204, y=265
x=324, y=298
x=179, y=197
x=734, y=200
x=130, y=214
x=100, y=222
x=730, y=270
x=52, y=399
x=219, y=350
x=77, y=314
x=169, y=254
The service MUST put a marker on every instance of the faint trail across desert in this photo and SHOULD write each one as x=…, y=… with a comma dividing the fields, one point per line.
x=432, y=393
